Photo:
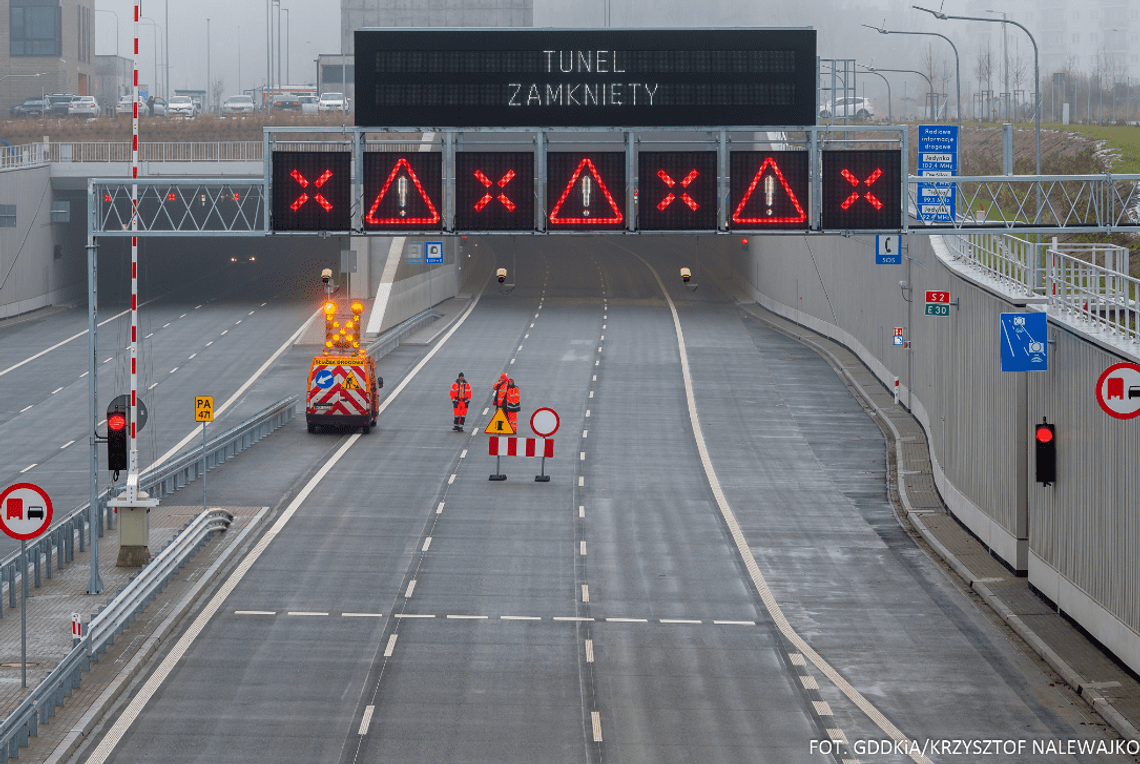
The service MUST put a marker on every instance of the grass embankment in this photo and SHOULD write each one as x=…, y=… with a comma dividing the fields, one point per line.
x=1122, y=143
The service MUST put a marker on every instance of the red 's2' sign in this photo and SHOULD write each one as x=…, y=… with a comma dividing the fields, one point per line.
x=943, y=297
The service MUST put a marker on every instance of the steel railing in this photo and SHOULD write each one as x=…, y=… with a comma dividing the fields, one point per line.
x=41, y=703
x=153, y=151
x=159, y=482
x=22, y=156
x=1105, y=296
x=1088, y=281
x=388, y=341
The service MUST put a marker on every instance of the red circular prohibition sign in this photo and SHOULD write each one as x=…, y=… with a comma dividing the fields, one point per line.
x=25, y=511
x=1124, y=393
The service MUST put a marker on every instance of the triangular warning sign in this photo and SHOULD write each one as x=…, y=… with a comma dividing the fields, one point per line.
x=432, y=218
x=770, y=218
x=605, y=192
x=350, y=383
x=499, y=424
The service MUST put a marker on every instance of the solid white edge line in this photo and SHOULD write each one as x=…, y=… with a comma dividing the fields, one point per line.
x=58, y=345
x=745, y=551
x=111, y=740
x=364, y=722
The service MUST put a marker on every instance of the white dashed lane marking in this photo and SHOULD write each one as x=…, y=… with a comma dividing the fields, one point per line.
x=306, y=612
x=253, y=612
x=27, y=468
x=411, y=588
x=65, y=445
x=427, y=543
x=589, y=651
x=367, y=719
x=53, y=392
x=391, y=645
x=25, y=408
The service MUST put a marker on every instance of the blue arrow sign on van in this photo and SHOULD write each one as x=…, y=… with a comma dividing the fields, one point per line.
x=324, y=379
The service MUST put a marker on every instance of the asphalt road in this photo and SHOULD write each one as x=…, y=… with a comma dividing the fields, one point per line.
x=403, y=607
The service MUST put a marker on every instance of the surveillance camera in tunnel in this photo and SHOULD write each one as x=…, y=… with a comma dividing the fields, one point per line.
x=326, y=276
x=686, y=274
x=501, y=274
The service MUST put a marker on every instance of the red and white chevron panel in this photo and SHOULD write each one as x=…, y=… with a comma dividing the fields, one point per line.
x=504, y=446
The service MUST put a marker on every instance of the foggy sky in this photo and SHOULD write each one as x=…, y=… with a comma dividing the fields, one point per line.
x=315, y=28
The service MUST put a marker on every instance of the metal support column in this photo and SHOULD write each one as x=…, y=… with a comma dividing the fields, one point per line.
x=815, y=173
x=357, y=186
x=94, y=582
x=722, y=181
x=630, y=181
x=449, y=180
x=540, y=179
x=904, y=150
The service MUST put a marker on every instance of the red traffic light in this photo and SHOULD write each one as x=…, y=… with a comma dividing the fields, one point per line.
x=1044, y=434
x=744, y=241
x=116, y=422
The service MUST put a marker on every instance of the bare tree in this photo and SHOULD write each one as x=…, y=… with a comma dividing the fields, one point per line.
x=217, y=87
x=1019, y=71
x=984, y=70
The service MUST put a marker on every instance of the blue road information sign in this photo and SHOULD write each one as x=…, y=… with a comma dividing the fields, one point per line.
x=1024, y=342
x=324, y=379
x=415, y=254
x=888, y=250
x=433, y=252
x=937, y=157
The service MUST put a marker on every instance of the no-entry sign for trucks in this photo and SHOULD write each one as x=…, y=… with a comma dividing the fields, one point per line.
x=1118, y=390
x=25, y=511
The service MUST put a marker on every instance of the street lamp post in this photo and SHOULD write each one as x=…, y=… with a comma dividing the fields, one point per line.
x=929, y=84
x=156, y=26
x=286, y=12
x=1036, y=68
x=104, y=10
x=890, y=116
x=957, y=63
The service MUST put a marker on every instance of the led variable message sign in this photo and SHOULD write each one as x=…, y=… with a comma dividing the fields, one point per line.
x=769, y=189
x=494, y=191
x=585, y=191
x=861, y=190
x=677, y=191
x=312, y=191
x=402, y=191
x=597, y=77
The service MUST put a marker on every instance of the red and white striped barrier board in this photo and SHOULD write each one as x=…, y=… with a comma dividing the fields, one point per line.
x=504, y=446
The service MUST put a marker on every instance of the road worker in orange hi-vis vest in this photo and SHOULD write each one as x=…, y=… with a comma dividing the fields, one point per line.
x=460, y=397
x=508, y=399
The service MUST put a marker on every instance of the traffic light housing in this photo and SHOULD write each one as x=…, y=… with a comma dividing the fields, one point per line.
x=116, y=439
x=1045, y=438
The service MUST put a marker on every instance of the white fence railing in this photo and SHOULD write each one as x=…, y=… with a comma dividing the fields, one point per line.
x=1090, y=282
x=174, y=151
x=22, y=156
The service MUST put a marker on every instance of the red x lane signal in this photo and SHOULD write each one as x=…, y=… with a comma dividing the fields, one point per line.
x=862, y=190
x=494, y=191
x=870, y=181
x=311, y=191
x=684, y=184
x=677, y=191
x=503, y=181
x=304, y=197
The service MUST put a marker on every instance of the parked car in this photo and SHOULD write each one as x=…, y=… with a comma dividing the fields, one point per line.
x=123, y=106
x=182, y=106
x=332, y=102
x=58, y=102
x=31, y=107
x=158, y=107
x=238, y=104
x=308, y=104
x=846, y=108
x=287, y=102
x=83, y=106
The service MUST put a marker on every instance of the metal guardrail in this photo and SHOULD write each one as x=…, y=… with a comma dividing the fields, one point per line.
x=22, y=156
x=390, y=340
x=159, y=482
x=154, y=151
x=1089, y=281
x=41, y=703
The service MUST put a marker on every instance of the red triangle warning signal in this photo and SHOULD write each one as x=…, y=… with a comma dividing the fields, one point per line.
x=770, y=218
x=433, y=215
x=617, y=216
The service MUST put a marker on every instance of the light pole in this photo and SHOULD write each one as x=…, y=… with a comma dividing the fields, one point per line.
x=890, y=117
x=278, y=4
x=209, y=85
x=907, y=71
x=957, y=63
x=156, y=26
x=1005, y=57
x=286, y=12
x=166, y=51
x=1036, y=69
x=104, y=10
x=268, y=53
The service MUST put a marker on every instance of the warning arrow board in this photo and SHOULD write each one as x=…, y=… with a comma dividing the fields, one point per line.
x=499, y=424
x=769, y=197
